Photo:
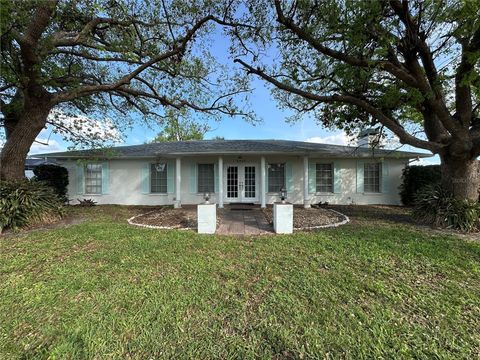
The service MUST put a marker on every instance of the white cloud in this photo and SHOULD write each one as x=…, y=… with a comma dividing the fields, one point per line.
x=85, y=126
x=334, y=139
x=434, y=160
x=45, y=145
x=341, y=138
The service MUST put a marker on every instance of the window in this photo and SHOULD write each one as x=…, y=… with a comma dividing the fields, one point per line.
x=276, y=177
x=93, y=178
x=158, y=178
x=206, y=178
x=371, y=177
x=324, y=177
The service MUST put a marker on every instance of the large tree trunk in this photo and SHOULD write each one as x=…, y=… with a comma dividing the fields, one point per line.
x=461, y=177
x=21, y=132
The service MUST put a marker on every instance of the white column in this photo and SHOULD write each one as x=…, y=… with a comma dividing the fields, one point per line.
x=220, y=182
x=178, y=183
x=306, y=202
x=263, y=191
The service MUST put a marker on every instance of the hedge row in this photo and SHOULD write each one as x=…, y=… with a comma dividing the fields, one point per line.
x=417, y=177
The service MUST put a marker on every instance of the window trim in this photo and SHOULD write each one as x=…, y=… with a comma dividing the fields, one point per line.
x=268, y=192
x=380, y=175
x=150, y=192
x=85, y=172
x=332, y=168
x=198, y=177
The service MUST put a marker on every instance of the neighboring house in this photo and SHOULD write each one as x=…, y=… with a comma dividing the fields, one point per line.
x=31, y=163
x=233, y=171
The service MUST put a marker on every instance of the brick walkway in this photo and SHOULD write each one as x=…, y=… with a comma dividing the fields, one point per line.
x=243, y=222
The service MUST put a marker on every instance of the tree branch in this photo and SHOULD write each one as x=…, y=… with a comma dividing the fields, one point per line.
x=396, y=128
x=414, y=42
x=342, y=56
x=125, y=80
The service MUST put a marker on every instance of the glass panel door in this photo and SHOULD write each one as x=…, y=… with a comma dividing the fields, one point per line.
x=250, y=183
x=240, y=183
x=232, y=183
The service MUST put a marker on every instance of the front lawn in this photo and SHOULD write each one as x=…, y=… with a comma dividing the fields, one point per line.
x=107, y=290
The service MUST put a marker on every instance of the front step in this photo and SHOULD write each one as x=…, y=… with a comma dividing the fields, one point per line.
x=242, y=206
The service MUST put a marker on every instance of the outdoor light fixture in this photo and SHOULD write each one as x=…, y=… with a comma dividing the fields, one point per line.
x=283, y=193
x=206, y=196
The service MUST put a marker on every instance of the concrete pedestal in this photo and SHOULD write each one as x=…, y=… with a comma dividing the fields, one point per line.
x=207, y=218
x=283, y=218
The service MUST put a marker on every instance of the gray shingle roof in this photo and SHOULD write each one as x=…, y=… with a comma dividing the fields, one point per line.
x=200, y=147
x=31, y=163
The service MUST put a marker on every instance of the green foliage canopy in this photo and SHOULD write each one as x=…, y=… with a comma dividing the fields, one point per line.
x=180, y=127
x=114, y=61
x=411, y=67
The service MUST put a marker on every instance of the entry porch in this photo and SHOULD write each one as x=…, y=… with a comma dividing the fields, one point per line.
x=259, y=180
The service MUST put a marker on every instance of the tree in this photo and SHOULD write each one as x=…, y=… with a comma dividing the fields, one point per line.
x=408, y=66
x=179, y=127
x=103, y=57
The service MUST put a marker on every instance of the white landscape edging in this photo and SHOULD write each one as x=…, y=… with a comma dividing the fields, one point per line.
x=340, y=223
x=130, y=221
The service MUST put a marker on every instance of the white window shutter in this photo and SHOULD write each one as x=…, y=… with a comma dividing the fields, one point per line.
x=170, y=177
x=337, y=178
x=385, y=178
x=105, y=177
x=266, y=178
x=312, y=177
x=193, y=178
x=145, y=178
x=289, y=177
x=80, y=179
x=215, y=177
x=360, y=178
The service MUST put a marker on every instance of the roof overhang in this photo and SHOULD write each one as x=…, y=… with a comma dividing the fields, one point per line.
x=393, y=155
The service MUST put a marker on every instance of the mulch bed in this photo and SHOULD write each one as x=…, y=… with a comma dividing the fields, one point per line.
x=170, y=218
x=308, y=218
x=187, y=217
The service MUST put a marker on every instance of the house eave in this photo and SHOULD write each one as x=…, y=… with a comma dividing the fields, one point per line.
x=311, y=154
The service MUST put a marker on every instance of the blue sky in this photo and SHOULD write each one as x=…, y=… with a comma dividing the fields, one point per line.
x=273, y=123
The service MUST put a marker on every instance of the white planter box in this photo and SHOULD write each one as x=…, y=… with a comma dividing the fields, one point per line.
x=207, y=218
x=283, y=218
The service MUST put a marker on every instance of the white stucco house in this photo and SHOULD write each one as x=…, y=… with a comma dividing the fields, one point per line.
x=235, y=171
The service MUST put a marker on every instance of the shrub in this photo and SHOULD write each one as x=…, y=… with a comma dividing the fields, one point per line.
x=415, y=178
x=86, y=202
x=27, y=201
x=55, y=176
x=439, y=208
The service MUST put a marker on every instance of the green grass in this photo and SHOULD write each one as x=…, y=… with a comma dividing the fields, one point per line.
x=106, y=290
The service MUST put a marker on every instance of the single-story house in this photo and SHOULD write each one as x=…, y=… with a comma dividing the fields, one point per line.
x=235, y=171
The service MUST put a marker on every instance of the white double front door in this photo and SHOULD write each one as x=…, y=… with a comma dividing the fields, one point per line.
x=240, y=181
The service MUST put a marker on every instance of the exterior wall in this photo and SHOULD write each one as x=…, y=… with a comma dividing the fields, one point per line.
x=349, y=194
x=125, y=182
x=348, y=172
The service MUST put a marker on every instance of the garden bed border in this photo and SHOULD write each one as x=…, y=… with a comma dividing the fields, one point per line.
x=345, y=220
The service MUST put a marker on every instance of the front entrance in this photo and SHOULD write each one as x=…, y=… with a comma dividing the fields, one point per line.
x=241, y=183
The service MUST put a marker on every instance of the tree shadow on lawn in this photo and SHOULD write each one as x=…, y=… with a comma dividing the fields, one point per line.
x=373, y=214
x=75, y=214
x=362, y=213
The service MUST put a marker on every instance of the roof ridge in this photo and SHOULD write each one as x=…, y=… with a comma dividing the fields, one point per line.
x=234, y=146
